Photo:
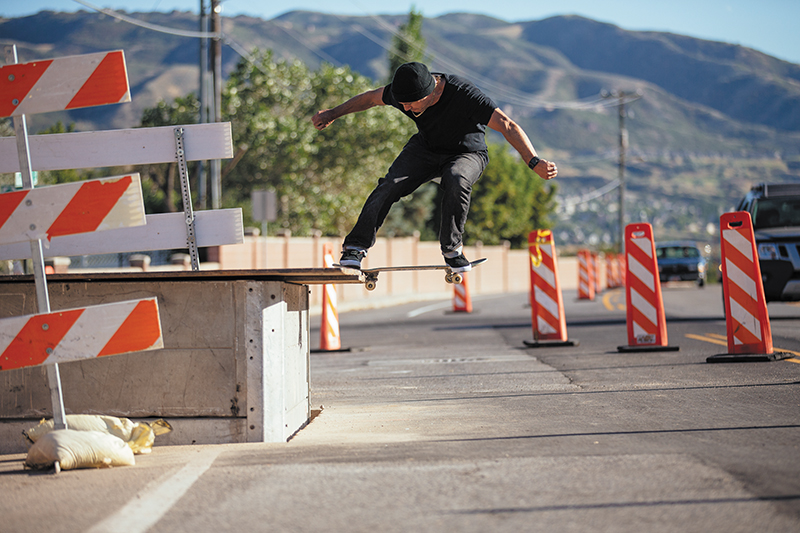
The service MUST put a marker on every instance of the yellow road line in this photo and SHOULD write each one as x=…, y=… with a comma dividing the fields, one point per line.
x=613, y=306
x=722, y=340
x=706, y=339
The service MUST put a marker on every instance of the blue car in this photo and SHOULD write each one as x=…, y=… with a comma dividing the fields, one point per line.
x=681, y=261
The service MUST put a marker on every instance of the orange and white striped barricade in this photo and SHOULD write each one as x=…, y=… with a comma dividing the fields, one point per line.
x=113, y=148
x=547, y=303
x=585, y=275
x=646, y=321
x=71, y=208
x=462, y=301
x=162, y=231
x=329, y=337
x=38, y=87
x=746, y=315
x=94, y=149
x=70, y=82
x=75, y=334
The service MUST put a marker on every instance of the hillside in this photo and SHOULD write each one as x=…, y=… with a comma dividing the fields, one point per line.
x=713, y=117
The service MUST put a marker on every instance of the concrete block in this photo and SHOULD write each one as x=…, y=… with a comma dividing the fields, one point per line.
x=236, y=358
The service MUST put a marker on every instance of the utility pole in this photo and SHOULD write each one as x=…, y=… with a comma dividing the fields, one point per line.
x=216, y=54
x=202, y=183
x=623, y=97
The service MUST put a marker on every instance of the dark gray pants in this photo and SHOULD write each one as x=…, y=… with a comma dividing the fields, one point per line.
x=415, y=166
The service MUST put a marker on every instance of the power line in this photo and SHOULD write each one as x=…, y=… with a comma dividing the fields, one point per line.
x=221, y=35
x=149, y=26
x=324, y=56
x=597, y=193
x=508, y=94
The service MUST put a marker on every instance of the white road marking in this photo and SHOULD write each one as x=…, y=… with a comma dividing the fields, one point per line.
x=147, y=507
x=429, y=308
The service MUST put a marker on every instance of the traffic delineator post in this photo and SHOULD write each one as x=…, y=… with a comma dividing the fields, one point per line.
x=462, y=301
x=547, y=303
x=329, y=337
x=613, y=278
x=596, y=271
x=585, y=276
x=746, y=316
x=646, y=321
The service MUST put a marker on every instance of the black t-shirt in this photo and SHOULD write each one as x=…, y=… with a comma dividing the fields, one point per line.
x=455, y=124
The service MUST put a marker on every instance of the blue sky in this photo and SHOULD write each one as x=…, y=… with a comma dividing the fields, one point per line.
x=770, y=26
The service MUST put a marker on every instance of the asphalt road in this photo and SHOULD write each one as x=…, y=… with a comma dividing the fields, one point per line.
x=445, y=422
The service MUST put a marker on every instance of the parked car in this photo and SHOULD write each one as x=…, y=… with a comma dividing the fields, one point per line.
x=775, y=210
x=681, y=261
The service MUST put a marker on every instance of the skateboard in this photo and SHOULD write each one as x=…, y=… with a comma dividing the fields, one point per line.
x=371, y=274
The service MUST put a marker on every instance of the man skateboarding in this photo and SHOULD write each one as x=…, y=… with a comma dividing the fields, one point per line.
x=451, y=115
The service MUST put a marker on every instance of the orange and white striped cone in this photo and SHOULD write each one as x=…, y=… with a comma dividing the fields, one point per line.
x=647, y=324
x=329, y=338
x=746, y=315
x=462, y=302
x=547, y=304
x=585, y=276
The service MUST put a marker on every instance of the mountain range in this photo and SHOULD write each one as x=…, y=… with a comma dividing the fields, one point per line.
x=709, y=103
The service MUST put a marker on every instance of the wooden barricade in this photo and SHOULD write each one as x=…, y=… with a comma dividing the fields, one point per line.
x=69, y=218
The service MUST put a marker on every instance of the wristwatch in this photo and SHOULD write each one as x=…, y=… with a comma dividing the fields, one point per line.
x=534, y=161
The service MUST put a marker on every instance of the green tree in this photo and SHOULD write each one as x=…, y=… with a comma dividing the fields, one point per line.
x=159, y=188
x=408, y=44
x=414, y=212
x=509, y=201
x=322, y=178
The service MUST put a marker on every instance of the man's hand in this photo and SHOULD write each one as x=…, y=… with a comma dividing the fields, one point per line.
x=546, y=169
x=360, y=102
x=321, y=120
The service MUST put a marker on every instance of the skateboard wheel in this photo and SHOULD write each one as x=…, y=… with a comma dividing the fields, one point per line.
x=448, y=278
x=457, y=279
x=370, y=285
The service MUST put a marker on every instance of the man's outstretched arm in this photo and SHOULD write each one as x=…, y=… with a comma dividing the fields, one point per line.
x=517, y=138
x=361, y=102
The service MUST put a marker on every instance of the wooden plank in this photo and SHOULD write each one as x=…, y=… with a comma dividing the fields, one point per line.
x=71, y=208
x=162, y=231
x=70, y=82
x=139, y=146
x=297, y=276
x=84, y=333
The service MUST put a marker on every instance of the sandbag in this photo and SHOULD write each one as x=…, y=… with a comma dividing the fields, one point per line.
x=68, y=449
x=119, y=427
x=140, y=436
x=144, y=435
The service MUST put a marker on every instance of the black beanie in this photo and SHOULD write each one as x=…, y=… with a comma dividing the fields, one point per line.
x=412, y=82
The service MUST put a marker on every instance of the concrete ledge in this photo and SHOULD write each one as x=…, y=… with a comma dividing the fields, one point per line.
x=234, y=368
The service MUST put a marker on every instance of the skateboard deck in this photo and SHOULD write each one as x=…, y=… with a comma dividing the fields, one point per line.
x=371, y=274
